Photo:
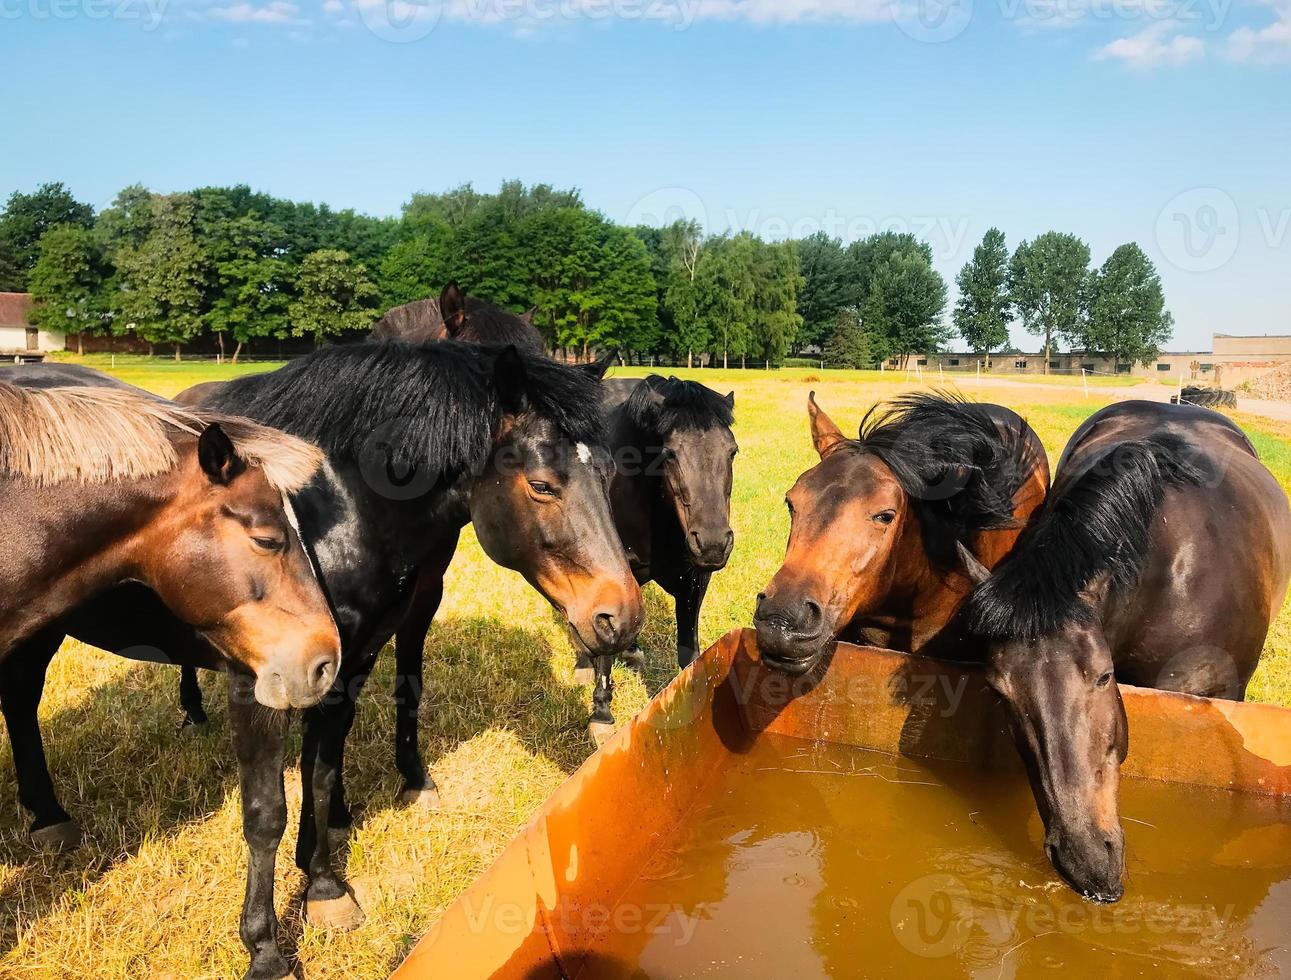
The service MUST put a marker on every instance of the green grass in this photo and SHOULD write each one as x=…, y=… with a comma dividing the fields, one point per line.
x=156, y=889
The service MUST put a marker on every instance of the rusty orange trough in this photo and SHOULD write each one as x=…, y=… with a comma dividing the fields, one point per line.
x=541, y=910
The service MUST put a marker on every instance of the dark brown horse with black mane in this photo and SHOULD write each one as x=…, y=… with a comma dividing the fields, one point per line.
x=872, y=553
x=671, y=494
x=1160, y=559
x=103, y=485
x=456, y=316
x=420, y=440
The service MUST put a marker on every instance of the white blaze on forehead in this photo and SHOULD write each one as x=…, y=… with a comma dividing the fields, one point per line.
x=584, y=453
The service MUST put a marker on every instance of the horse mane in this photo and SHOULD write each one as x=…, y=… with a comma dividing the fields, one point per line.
x=661, y=405
x=435, y=404
x=959, y=467
x=1099, y=524
x=50, y=436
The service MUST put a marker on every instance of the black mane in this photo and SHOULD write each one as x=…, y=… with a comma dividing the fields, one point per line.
x=960, y=468
x=489, y=324
x=661, y=405
x=1099, y=524
x=433, y=403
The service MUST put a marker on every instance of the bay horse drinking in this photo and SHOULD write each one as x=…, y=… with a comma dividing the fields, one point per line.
x=1160, y=559
x=872, y=553
x=420, y=440
x=100, y=486
x=671, y=493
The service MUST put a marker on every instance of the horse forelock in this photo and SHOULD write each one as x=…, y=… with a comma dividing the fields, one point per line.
x=662, y=405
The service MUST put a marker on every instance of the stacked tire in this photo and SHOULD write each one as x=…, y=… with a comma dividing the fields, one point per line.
x=1206, y=397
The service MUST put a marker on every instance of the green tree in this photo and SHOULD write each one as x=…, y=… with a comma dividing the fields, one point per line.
x=68, y=283
x=1046, y=285
x=23, y=223
x=906, y=300
x=1126, y=315
x=333, y=296
x=984, y=309
x=776, y=321
x=849, y=344
x=684, y=247
x=162, y=280
x=828, y=287
x=869, y=255
x=725, y=294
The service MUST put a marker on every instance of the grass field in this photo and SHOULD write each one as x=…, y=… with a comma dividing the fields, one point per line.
x=156, y=889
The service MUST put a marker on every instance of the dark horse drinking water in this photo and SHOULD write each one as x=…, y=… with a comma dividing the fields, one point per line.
x=420, y=440
x=1159, y=560
x=875, y=526
x=100, y=486
x=671, y=494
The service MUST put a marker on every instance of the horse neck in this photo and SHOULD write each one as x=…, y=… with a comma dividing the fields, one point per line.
x=96, y=536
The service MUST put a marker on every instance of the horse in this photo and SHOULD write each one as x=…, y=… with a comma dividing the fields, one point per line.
x=456, y=316
x=100, y=486
x=419, y=441
x=872, y=554
x=671, y=492
x=1160, y=558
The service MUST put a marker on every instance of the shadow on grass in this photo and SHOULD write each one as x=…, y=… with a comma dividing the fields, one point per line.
x=128, y=775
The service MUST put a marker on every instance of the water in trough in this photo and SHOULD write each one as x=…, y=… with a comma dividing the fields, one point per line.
x=806, y=860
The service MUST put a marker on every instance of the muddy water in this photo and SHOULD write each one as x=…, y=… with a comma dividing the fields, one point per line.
x=809, y=860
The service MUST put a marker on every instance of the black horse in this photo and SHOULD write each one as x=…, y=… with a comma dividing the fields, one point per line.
x=674, y=456
x=420, y=440
x=1160, y=558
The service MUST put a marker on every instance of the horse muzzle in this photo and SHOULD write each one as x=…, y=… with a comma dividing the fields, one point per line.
x=790, y=642
x=709, y=552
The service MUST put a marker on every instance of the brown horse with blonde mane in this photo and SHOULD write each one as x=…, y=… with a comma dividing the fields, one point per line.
x=874, y=545
x=102, y=486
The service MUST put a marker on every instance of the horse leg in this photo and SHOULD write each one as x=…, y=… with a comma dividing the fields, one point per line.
x=328, y=902
x=601, y=726
x=409, y=652
x=190, y=698
x=22, y=682
x=258, y=736
x=689, y=599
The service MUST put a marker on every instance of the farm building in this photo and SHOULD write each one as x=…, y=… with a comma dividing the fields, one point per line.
x=1231, y=360
x=20, y=339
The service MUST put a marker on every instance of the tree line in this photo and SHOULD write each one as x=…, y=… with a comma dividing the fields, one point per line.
x=239, y=266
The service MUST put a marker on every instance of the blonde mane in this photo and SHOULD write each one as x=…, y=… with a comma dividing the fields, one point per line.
x=50, y=436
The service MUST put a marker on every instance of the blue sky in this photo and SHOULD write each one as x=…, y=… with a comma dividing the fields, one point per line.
x=1166, y=122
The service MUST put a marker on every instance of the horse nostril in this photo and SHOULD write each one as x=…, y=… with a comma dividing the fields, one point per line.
x=606, y=626
x=696, y=546
x=814, y=615
x=322, y=672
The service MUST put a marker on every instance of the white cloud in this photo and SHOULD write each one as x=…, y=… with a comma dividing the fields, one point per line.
x=1269, y=43
x=334, y=6
x=1157, y=46
x=275, y=12
x=793, y=11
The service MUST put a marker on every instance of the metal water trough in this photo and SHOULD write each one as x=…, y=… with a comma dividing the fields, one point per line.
x=525, y=916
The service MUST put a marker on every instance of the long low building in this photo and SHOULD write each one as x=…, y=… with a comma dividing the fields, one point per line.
x=20, y=339
x=1232, y=360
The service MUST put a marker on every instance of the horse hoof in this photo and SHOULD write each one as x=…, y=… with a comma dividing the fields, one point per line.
x=600, y=731
x=584, y=676
x=334, y=913
x=420, y=799
x=635, y=659
x=59, y=837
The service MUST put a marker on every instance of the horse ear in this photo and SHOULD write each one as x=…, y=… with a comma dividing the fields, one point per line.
x=824, y=433
x=977, y=572
x=1095, y=592
x=527, y=316
x=597, y=369
x=217, y=456
x=452, y=307
x=511, y=380
x=730, y=398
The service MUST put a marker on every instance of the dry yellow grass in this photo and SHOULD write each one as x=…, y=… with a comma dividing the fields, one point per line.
x=156, y=889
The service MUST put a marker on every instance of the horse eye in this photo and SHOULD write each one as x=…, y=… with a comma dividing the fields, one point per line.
x=1106, y=679
x=537, y=486
x=269, y=544
x=886, y=518
x=789, y=503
